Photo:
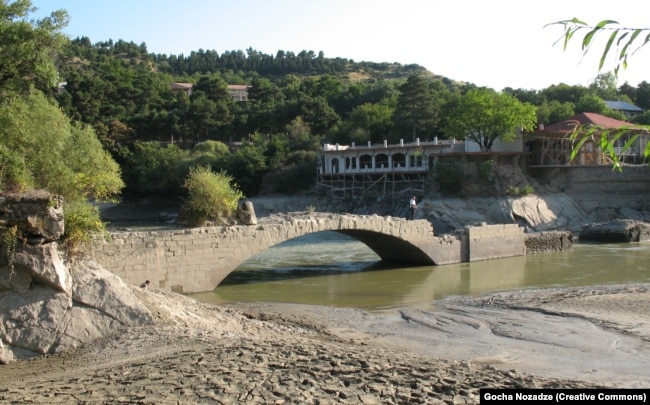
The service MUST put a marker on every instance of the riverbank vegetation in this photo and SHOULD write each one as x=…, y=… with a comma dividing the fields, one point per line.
x=142, y=135
x=295, y=103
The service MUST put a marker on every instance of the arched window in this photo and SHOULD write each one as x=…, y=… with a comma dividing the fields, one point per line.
x=381, y=161
x=335, y=165
x=399, y=160
x=365, y=162
x=416, y=160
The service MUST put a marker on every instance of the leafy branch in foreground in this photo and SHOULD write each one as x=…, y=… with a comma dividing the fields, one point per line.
x=627, y=41
x=608, y=139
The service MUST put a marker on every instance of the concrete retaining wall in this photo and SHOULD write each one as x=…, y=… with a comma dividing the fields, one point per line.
x=572, y=179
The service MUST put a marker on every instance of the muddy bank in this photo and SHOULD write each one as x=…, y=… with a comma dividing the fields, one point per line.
x=271, y=353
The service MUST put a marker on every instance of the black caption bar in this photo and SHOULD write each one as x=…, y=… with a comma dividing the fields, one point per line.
x=596, y=396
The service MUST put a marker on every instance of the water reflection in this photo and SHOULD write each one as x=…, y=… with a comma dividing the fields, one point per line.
x=332, y=269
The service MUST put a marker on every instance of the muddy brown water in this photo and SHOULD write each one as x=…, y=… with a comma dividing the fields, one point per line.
x=331, y=269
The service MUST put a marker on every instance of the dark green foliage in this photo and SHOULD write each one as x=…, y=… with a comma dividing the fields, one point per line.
x=485, y=170
x=297, y=101
x=449, y=174
x=416, y=113
x=248, y=166
x=152, y=170
x=516, y=191
x=299, y=174
x=642, y=119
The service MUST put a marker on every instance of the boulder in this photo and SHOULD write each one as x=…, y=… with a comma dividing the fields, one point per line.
x=44, y=319
x=246, y=212
x=100, y=289
x=616, y=231
x=31, y=321
x=44, y=264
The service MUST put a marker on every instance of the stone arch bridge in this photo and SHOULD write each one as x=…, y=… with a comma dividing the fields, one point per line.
x=198, y=259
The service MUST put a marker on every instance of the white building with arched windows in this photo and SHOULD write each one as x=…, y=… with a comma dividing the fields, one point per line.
x=344, y=169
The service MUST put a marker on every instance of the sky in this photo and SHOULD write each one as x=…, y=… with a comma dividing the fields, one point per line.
x=497, y=44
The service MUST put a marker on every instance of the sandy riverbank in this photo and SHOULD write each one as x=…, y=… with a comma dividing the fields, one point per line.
x=270, y=353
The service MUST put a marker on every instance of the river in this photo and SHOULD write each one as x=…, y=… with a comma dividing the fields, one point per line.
x=331, y=269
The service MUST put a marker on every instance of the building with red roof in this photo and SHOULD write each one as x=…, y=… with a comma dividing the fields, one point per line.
x=554, y=144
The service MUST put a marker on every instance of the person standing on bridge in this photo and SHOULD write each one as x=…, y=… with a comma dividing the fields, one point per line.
x=412, y=206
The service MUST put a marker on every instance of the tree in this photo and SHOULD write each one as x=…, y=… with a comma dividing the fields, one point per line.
x=27, y=47
x=319, y=115
x=55, y=155
x=554, y=111
x=591, y=103
x=415, y=110
x=483, y=115
x=642, y=94
x=604, y=85
x=564, y=93
x=375, y=119
x=153, y=170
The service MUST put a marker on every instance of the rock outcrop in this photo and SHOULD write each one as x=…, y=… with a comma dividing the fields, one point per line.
x=616, y=231
x=46, y=304
x=540, y=212
x=246, y=212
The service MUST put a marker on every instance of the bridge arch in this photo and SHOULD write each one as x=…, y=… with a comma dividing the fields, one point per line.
x=389, y=247
x=198, y=259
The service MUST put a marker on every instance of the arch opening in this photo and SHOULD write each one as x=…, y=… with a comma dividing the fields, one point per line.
x=305, y=256
x=389, y=248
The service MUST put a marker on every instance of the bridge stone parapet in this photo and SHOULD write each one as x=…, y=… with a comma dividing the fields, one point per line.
x=198, y=259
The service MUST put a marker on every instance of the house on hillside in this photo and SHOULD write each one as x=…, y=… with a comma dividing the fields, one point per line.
x=184, y=87
x=551, y=145
x=627, y=109
x=239, y=92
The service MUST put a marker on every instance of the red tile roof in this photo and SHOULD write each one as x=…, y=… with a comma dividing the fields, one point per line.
x=594, y=119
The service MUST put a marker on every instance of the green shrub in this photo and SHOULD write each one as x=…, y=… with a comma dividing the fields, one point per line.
x=210, y=196
x=152, y=170
x=485, y=170
x=82, y=223
x=299, y=174
x=215, y=148
x=8, y=240
x=520, y=191
x=14, y=176
x=450, y=175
